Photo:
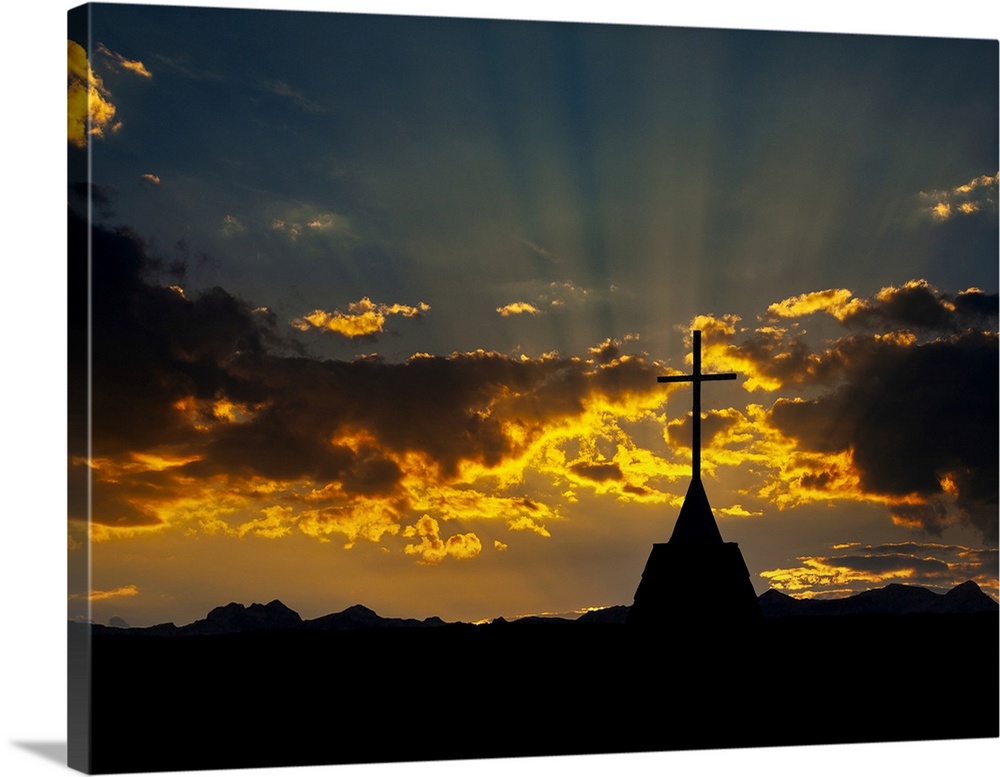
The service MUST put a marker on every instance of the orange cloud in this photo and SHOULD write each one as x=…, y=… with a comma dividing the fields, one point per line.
x=204, y=414
x=132, y=65
x=96, y=596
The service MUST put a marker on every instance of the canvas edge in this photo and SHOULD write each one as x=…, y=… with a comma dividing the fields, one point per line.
x=78, y=686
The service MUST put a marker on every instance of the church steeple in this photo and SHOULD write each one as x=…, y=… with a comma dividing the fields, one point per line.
x=696, y=575
x=695, y=523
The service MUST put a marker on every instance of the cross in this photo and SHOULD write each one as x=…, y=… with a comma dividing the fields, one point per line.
x=696, y=377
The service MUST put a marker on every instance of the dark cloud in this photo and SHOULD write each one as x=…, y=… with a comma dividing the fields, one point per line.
x=453, y=409
x=931, y=562
x=922, y=548
x=776, y=355
x=985, y=556
x=934, y=565
x=152, y=347
x=913, y=312
x=126, y=506
x=885, y=563
x=195, y=380
x=973, y=307
x=910, y=393
x=932, y=516
x=919, y=306
x=597, y=472
x=713, y=424
x=817, y=480
x=918, y=418
x=606, y=352
x=83, y=194
x=98, y=193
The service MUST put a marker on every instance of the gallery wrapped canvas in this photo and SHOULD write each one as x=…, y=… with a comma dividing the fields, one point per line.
x=453, y=388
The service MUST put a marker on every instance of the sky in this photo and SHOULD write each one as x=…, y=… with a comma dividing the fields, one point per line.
x=379, y=305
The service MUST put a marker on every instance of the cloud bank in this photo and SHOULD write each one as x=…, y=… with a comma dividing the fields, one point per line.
x=199, y=425
x=903, y=403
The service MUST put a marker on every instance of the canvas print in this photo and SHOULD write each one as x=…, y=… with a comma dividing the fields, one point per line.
x=525, y=388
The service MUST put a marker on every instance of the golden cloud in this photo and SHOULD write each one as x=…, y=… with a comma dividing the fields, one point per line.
x=432, y=549
x=719, y=352
x=517, y=308
x=839, y=303
x=89, y=109
x=976, y=196
x=826, y=574
x=356, y=519
x=363, y=319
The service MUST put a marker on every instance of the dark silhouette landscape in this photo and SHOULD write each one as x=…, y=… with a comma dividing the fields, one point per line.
x=260, y=686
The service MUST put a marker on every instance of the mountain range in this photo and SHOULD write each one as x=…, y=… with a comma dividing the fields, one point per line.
x=893, y=600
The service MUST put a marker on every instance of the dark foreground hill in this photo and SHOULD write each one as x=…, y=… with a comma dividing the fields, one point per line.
x=300, y=696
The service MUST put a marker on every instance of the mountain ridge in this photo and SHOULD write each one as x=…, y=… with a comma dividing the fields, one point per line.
x=894, y=599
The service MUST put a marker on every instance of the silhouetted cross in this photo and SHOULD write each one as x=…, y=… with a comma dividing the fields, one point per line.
x=696, y=378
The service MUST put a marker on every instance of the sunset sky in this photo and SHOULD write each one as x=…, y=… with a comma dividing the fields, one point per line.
x=379, y=305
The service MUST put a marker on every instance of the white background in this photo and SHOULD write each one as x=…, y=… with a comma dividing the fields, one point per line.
x=33, y=378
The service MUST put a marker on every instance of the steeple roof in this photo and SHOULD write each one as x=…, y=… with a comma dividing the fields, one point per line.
x=695, y=523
